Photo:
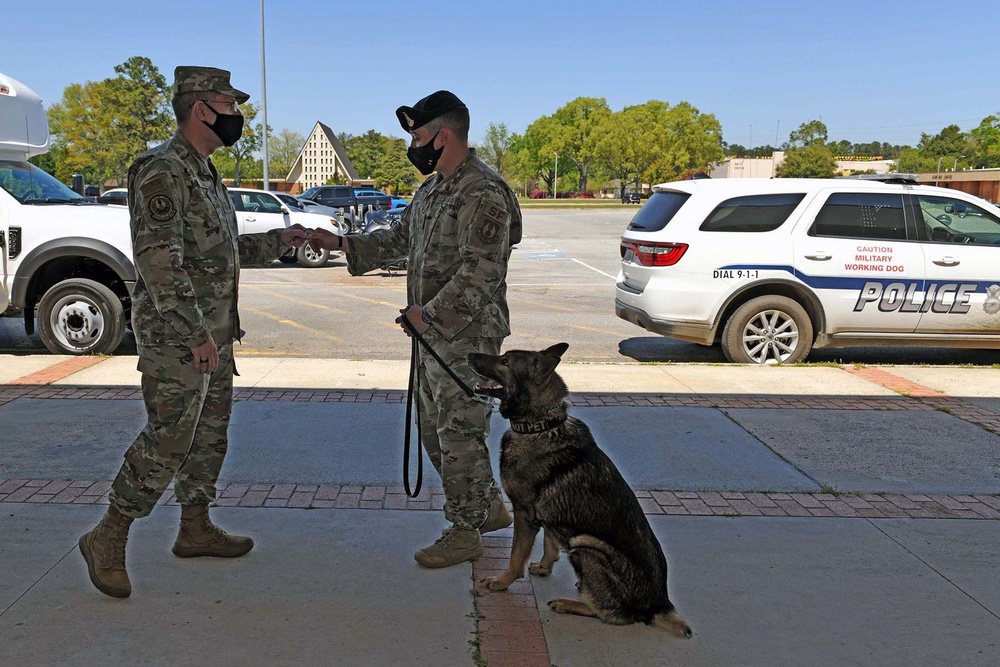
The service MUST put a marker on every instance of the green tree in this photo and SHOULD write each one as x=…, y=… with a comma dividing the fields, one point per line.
x=394, y=169
x=986, y=143
x=495, y=149
x=574, y=139
x=912, y=161
x=693, y=142
x=536, y=150
x=366, y=151
x=105, y=125
x=812, y=161
x=282, y=149
x=810, y=132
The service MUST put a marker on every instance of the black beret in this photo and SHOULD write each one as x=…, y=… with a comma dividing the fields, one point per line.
x=427, y=109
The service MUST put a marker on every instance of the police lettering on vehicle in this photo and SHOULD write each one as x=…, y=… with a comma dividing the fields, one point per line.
x=950, y=298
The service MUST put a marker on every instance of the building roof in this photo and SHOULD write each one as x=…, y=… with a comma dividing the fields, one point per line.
x=341, y=153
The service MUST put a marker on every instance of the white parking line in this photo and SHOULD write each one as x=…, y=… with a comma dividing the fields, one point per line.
x=593, y=269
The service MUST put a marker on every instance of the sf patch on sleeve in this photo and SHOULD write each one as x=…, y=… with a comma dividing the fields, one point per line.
x=492, y=219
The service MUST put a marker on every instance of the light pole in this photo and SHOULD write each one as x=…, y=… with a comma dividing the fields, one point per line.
x=938, y=179
x=263, y=93
x=555, y=181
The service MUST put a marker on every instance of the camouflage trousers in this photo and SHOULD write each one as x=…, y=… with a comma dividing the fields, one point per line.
x=454, y=428
x=184, y=440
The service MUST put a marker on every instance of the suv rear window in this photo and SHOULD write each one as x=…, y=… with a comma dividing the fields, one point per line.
x=753, y=213
x=658, y=211
x=861, y=215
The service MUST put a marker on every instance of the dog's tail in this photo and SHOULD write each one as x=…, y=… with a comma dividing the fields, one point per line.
x=672, y=623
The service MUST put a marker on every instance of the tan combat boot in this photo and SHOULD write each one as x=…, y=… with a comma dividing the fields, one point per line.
x=198, y=536
x=104, y=550
x=498, y=517
x=457, y=545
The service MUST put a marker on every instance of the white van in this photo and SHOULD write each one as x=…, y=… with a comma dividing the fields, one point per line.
x=62, y=258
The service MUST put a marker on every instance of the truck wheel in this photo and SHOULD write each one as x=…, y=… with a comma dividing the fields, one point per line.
x=290, y=256
x=768, y=330
x=310, y=258
x=80, y=316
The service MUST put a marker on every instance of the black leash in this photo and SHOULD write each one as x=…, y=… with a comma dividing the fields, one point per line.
x=417, y=341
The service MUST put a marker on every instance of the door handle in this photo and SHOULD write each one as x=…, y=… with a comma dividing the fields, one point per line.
x=819, y=256
x=947, y=261
x=250, y=218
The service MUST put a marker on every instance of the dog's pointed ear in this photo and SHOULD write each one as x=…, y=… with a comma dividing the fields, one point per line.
x=557, y=350
x=549, y=358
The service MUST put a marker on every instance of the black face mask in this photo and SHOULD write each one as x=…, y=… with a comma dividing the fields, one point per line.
x=425, y=158
x=227, y=127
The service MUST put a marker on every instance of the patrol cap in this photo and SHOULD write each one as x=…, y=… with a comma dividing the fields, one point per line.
x=192, y=79
x=427, y=109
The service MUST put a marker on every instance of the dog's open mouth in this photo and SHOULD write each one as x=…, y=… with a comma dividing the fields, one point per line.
x=490, y=388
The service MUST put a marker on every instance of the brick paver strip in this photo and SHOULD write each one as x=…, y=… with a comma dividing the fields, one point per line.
x=58, y=371
x=653, y=502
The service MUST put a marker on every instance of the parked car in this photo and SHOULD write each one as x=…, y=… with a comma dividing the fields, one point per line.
x=399, y=202
x=631, y=197
x=372, y=198
x=773, y=268
x=335, y=196
x=260, y=211
x=117, y=196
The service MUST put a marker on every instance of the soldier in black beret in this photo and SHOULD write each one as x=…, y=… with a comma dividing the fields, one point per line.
x=457, y=234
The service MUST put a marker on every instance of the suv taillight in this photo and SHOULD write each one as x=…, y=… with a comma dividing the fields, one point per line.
x=650, y=253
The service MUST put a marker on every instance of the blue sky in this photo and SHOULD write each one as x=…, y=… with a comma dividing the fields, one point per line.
x=874, y=70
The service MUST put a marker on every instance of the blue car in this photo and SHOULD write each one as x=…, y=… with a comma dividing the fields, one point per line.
x=399, y=202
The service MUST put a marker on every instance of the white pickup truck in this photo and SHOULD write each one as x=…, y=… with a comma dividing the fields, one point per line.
x=62, y=258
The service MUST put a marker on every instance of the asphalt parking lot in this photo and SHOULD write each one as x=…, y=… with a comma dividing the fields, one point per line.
x=561, y=288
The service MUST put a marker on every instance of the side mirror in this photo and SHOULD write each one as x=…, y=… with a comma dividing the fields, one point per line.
x=284, y=210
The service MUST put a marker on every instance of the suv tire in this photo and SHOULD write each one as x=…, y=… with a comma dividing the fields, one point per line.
x=310, y=258
x=80, y=316
x=768, y=330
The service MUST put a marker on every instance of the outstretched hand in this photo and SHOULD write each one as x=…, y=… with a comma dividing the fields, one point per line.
x=296, y=235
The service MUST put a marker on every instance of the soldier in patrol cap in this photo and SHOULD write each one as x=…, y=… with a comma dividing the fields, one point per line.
x=187, y=255
x=458, y=233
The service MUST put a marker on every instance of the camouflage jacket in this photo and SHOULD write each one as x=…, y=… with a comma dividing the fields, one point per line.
x=457, y=233
x=187, y=252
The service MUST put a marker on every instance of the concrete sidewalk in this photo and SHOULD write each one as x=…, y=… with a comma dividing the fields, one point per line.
x=810, y=515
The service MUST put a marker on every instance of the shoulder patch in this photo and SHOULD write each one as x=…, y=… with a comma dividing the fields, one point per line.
x=161, y=207
x=489, y=231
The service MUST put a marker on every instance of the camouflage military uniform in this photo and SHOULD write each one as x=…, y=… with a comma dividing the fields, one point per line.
x=187, y=256
x=457, y=232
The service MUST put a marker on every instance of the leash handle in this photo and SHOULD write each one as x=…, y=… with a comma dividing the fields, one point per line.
x=414, y=369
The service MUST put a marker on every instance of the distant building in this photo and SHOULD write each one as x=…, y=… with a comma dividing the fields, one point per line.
x=983, y=183
x=767, y=167
x=322, y=157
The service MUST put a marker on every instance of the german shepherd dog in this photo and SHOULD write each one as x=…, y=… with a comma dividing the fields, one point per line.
x=558, y=479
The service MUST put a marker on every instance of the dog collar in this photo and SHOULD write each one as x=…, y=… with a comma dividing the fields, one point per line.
x=538, y=426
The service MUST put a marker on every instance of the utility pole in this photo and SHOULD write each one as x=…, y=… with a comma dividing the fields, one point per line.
x=263, y=93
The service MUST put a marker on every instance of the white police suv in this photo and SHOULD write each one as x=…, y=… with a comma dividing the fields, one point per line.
x=771, y=268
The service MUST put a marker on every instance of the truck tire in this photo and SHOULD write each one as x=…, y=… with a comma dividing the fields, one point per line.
x=310, y=258
x=768, y=330
x=80, y=316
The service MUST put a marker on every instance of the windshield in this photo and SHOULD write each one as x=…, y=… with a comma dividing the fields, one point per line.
x=27, y=183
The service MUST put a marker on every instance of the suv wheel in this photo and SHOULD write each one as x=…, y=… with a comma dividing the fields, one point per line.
x=80, y=316
x=310, y=258
x=768, y=330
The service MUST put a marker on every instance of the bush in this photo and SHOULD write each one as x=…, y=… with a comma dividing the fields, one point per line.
x=538, y=194
x=586, y=194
